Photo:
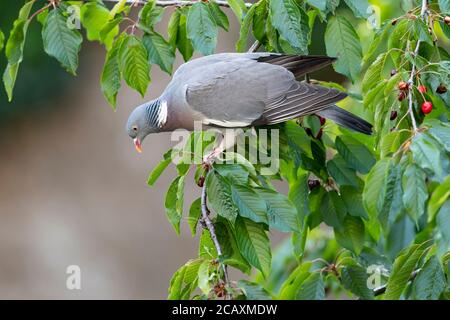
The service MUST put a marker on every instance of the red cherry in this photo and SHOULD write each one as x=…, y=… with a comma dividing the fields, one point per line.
x=393, y=115
x=201, y=181
x=441, y=89
x=322, y=120
x=427, y=107
x=312, y=184
x=422, y=89
x=447, y=20
x=401, y=96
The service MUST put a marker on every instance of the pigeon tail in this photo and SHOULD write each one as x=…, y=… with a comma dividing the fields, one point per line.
x=346, y=119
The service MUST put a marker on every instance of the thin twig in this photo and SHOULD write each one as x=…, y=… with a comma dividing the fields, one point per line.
x=254, y=47
x=210, y=226
x=423, y=14
x=169, y=3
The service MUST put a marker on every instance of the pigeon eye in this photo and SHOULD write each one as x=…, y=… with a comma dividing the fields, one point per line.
x=135, y=128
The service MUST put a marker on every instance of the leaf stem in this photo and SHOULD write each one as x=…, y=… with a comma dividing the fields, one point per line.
x=210, y=226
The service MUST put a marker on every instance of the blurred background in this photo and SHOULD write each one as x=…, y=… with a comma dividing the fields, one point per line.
x=72, y=188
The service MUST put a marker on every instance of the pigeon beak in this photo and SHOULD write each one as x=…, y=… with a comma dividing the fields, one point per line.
x=137, y=145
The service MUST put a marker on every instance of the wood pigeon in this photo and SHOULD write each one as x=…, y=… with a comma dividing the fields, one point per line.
x=240, y=90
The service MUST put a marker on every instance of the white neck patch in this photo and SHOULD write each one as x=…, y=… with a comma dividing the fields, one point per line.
x=162, y=114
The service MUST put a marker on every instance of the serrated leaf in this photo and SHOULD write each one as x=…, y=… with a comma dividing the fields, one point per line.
x=118, y=8
x=403, y=266
x=133, y=63
x=159, y=51
x=343, y=42
x=94, y=17
x=60, y=41
x=194, y=215
x=241, y=45
x=220, y=196
x=333, y=210
x=201, y=28
x=352, y=198
x=375, y=73
x=238, y=7
x=204, y=277
x=260, y=20
x=174, y=202
x=150, y=14
x=341, y=173
x=291, y=285
x=444, y=5
x=184, y=45
x=360, y=8
x=415, y=191
x=157, y=171
x=253, y=291
x=298, y=195
x=219, y=16
x=291, y=22
x=184, y=281
x=441, y=132
x=313, y=288
x=351, y=236
x=430, y=282
x=439, y=196
x=281, y=213
x=354, y=279
x=111, y=77
x=249, y=203
x=356, y=155
x=427, y=154
x=14, y=48
x=253, y=244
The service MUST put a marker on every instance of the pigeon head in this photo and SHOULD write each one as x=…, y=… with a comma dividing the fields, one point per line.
x=145, y=119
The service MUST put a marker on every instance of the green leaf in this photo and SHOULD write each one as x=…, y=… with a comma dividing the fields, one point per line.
x=253, y=291
x=319, y=4
x=260, y=20
x=206, y=248
x=109, y=30
x=354, y=279
x=133, y=63
x=241, y=45
x=174, y=202
x=281, y=212
x=352, y=234
x=219, y=16
x=184, y=281
x=444, y=5
x=439, y=196
x=249, y=203
x=158, y=170
x=291, y=22
x=233, y=172
x=291, y=286
x=359, y=8
x=298, y=195
x=397, y=40
x=111, y=77
x=194, y=215
x=430, y=281
x=150, y=14
x=353, y=201
x=441, y=132
x=14, y=48
x=204, y=272
x=404, y=265
x=377, y=192
x=159, y=51
x=60, y=41
x=184, y=45
x=118, y=8
x=375, y=73
x=253, y=244
x=343, y=42
x=356, y=154
x=333, y=210
x=201, y=28
x=220, y=196
x=340, y=172
x=443, y=224
x=313, y=288
x=415, y=191
x=238, y=7
x=2, y=40
x=94, y=17
x=426, y=153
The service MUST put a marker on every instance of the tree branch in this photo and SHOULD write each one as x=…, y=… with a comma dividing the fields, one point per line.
x=423, y=14
x=169, y=3
x=210, y=226
x=382, y=289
